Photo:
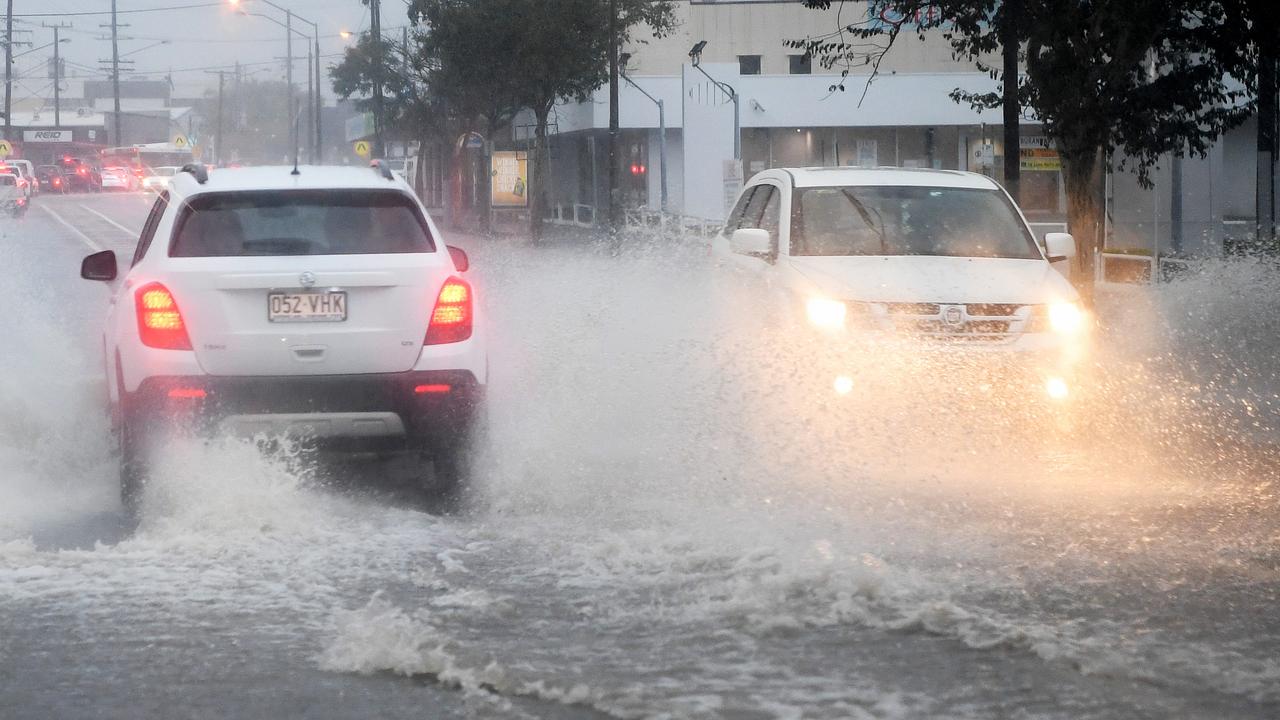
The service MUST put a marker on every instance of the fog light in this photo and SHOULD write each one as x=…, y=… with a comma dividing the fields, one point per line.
x=1057, y=388
x=844, y=385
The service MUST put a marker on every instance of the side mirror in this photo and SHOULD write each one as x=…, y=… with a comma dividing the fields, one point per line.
x=751, y=241
x=99, y=266
x=459, y=257
x=1059, y=246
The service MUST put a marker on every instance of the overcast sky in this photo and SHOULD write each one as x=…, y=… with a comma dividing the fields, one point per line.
x=207, y=36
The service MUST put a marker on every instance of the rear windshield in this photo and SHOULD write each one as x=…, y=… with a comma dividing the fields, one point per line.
x=300, y=222
x=6, y=179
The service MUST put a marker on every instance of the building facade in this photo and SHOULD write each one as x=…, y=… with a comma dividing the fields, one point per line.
x=791, y=113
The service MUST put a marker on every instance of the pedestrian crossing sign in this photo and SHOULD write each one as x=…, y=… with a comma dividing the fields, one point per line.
x=180, y=141
x=5, y=149
x=362, y=148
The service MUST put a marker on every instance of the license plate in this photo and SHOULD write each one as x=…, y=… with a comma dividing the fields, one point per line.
x=307, y=307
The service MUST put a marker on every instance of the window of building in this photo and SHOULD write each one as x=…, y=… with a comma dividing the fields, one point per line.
x=748, y=64
x=800, y=64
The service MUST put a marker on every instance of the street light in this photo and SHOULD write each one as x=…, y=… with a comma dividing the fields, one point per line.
x=695, y=56
x=319, y=100
x=662, y=129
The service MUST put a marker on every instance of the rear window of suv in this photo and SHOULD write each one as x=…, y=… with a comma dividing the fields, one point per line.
x=299, y=222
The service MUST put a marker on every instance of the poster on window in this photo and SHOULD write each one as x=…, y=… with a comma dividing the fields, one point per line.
x=510, y=175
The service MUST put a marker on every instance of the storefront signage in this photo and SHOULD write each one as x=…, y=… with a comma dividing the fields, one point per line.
x=510, y=176
x=1037, y=153
x=46, y=136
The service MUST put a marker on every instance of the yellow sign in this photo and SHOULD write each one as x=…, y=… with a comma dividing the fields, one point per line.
x=5, y=149
x=180, y=141
x=1039, y=159
x=362, y=148
x=510, y=186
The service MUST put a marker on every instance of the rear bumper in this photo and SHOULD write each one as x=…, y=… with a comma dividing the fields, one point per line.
x=413, y=408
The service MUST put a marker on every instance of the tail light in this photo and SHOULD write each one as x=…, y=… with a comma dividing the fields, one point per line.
x=159, y=320
x=82, y=171
x=454, y=314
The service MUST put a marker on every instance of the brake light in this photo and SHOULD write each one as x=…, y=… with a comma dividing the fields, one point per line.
x=81, y=170
x=187, y=393
x=452, y=319
x=159, y=320
x=435, y=389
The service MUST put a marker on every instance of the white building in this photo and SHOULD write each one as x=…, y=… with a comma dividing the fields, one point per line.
x=789, y=115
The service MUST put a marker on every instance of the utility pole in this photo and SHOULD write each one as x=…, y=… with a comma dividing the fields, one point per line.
x=375, y=27
x=288, y=79
x=8, y=72
x=118, y=140
x=218, y=153
x=310, y=101
x=315, y=32
x=615, y=165
x=57, y=73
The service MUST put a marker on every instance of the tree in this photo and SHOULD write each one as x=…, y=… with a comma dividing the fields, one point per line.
x=532, y=54
x=1129, y=79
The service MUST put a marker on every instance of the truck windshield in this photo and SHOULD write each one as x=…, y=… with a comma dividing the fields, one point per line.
x=300, y=222
x=903, y=220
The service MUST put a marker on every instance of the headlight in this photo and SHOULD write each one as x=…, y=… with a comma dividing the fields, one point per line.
x=1066, y=318
x=826, y=314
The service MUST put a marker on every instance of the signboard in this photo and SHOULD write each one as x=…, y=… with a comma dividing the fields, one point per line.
x=984, y=155
x=510, y=179
x=46, y=136
x=5, y=149
x=1037, y=153
x=362, y=148
x=732, y=184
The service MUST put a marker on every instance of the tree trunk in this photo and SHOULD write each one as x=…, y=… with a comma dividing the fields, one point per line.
x=420, y=172
x=1012, y=108
x=541, y=183
x=1084, y=216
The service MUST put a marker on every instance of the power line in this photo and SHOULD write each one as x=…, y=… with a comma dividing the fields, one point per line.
x=119, y=12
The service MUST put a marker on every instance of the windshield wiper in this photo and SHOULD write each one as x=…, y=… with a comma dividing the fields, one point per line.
x=866, y=218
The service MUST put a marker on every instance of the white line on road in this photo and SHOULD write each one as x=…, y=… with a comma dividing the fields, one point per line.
x=83, y=238
x=132, y=233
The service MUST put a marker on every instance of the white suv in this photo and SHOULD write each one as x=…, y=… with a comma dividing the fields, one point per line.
x=941, y=259
x=319, y=302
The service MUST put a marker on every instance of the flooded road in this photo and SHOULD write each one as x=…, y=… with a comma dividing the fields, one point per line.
x=670, y=524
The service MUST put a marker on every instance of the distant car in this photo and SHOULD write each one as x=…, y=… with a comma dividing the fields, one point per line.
x=80, y=175
x=158, y=178
x=29, y=172
x=322, y=306
x=12, y=199
x=117, y=178
x=52, y=178
x=941, y=262
x=24, y=181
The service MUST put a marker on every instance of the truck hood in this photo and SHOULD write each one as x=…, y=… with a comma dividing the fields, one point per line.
x=926, y=278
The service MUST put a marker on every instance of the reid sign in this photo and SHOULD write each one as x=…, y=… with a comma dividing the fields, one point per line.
x=46, y=136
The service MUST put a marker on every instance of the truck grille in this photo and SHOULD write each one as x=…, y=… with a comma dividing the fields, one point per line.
x=991, y=323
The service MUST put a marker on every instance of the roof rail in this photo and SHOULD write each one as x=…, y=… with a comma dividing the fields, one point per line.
x=382, y=169
x=198, y=171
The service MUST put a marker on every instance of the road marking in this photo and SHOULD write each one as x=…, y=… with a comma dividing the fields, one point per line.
x=83, y=238
x=132, y=233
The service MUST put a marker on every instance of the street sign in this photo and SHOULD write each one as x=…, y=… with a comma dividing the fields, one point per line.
x=180, y=141
x=362, y=148
x=5, y=149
